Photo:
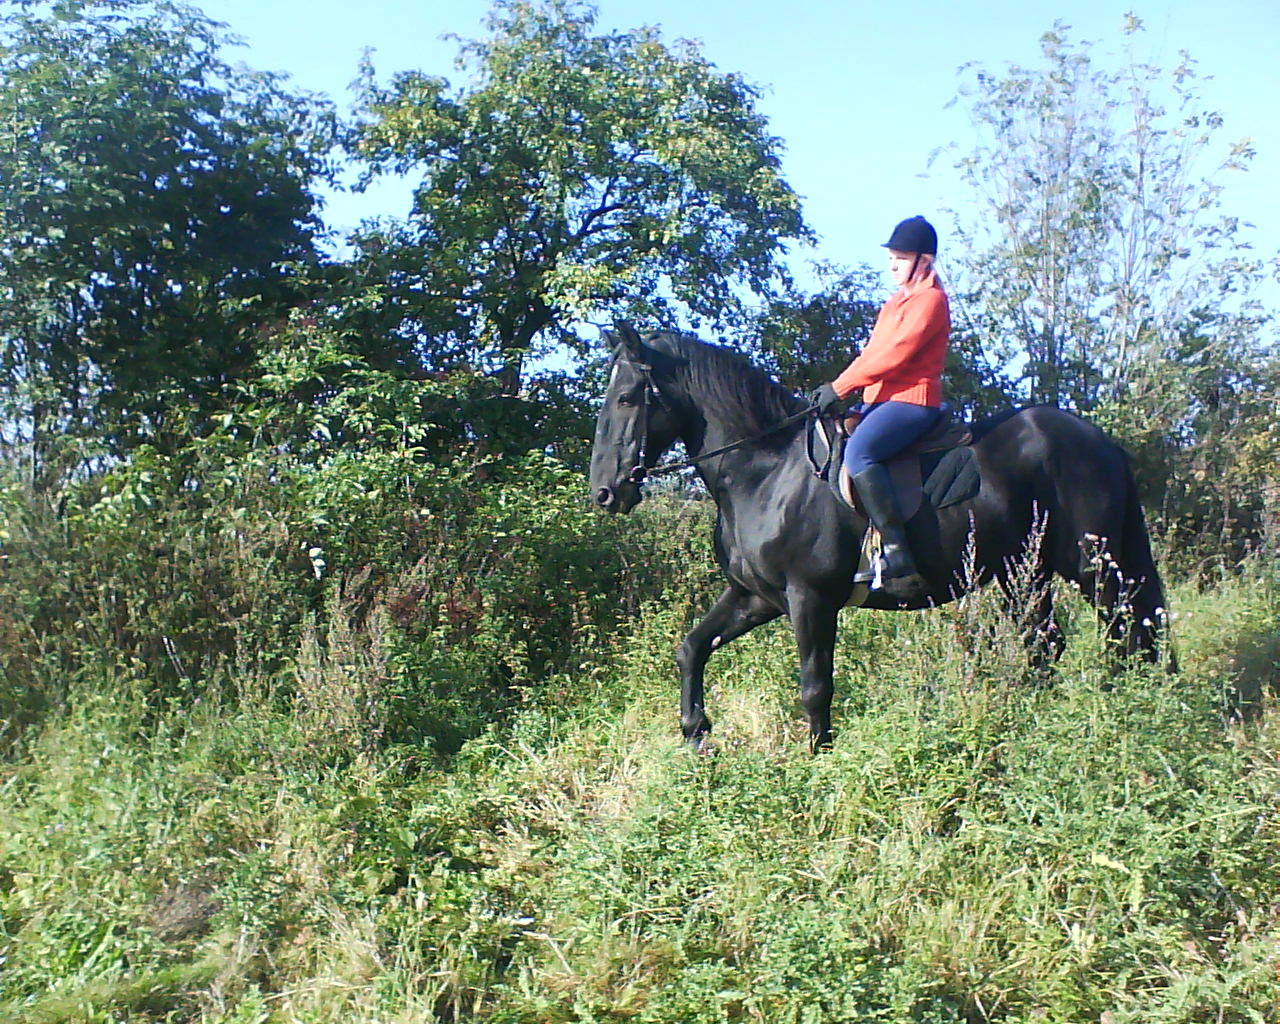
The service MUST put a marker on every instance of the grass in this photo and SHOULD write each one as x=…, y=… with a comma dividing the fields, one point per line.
x=975, y=848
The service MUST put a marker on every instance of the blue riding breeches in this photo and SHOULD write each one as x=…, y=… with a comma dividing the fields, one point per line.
x=886, y=429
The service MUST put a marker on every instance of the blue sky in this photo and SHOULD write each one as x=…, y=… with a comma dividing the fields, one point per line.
x=859, y=92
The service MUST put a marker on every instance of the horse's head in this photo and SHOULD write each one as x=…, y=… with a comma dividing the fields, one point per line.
x=637, y=424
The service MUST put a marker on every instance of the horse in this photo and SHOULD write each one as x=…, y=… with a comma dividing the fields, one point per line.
x=788, y=546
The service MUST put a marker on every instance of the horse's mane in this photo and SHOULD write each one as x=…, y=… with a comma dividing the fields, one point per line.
x=729, y=389
x=983, y=427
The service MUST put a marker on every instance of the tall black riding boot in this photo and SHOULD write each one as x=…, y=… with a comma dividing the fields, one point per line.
x=875, y=488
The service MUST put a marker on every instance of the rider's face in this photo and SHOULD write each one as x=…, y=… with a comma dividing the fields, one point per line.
x=900, y=266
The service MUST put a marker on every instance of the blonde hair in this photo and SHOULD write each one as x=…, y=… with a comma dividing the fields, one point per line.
x=926, y=264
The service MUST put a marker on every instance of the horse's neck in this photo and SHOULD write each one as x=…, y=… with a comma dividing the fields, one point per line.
x=747, y=466
x=704, y=433
x=708, y=427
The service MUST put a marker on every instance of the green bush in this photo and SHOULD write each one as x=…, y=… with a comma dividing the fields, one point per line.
x=453, y=587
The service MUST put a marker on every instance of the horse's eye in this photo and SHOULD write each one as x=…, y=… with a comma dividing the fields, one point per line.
x=626, y=400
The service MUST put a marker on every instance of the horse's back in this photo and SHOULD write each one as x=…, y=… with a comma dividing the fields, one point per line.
x=1042, y=444
x=1047, y=425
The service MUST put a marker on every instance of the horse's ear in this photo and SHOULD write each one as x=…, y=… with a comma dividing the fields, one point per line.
x=625, y=333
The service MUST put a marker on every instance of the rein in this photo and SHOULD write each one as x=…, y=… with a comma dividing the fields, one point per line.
x=639, y=473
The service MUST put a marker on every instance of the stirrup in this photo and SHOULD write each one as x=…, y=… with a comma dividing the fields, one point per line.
x=906, y=568
x=874, y=575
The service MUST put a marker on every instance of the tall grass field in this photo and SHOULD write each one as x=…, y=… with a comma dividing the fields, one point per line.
x=979, y=845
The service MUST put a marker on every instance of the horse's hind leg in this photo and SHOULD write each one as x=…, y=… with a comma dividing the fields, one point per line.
x=1139, y=619
x=1128, y=599
x=1043, y=635
x=735, y=613
x=1103, y=587
x=1029, y=604
x=1144, y=597
x=1119, y=575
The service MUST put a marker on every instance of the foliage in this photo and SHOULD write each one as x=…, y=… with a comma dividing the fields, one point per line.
x=1211, y=480
x=328, y=498
x=152, y=199
x=1102, y=266
x=576, y=176
x=806, y=340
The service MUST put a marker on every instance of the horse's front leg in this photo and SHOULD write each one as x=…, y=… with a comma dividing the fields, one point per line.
x=737, y=611
x=814, y=622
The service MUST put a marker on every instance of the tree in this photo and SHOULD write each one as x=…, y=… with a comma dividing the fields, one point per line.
x=1098, y=240
x=152, y=202
x=806, y=339
x=1103, y=267
x=576, y=176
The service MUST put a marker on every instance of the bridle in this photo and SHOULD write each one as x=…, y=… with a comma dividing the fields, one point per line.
x=639, y=472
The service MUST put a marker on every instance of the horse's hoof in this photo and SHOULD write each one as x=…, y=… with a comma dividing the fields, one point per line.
x=822, y=745
x=699, y=743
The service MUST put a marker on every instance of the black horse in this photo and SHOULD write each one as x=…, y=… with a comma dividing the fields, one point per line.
x=789, y=547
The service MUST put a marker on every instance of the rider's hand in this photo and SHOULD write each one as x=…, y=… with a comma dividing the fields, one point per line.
x=827, y=401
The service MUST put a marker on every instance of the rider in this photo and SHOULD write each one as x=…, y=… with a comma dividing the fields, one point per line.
x=900, y=371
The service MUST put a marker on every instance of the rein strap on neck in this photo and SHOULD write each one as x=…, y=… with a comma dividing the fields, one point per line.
x=675, y=467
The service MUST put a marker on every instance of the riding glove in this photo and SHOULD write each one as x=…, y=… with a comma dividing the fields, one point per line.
x=828, y=402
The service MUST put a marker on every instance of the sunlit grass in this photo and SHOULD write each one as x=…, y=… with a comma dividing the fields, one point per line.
x=975, y=847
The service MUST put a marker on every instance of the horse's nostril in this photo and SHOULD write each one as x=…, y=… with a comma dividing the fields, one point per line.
x=604, y=497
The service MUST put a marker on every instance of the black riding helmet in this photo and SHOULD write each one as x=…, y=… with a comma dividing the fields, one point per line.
x=915, y=234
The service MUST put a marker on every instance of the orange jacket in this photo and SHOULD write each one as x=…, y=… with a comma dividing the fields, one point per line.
x=904, y=356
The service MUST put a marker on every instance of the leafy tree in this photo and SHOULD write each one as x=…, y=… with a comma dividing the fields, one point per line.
x=577, y=175
x=1103, y=268
x=152, y=199
x=806, y=339
x=1099, y=241
x=315, y=393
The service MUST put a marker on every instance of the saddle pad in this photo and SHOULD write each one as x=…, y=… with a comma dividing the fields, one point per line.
x=953, y=479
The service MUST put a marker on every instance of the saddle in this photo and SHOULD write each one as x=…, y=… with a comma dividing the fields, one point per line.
x=939, y=466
